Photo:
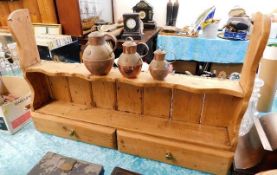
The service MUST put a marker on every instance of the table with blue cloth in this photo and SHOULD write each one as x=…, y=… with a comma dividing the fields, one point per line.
x=202, y=49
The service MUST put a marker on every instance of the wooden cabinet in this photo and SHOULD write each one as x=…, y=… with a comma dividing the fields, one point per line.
x=201, y=136
x=69, y=17
x=41, y=11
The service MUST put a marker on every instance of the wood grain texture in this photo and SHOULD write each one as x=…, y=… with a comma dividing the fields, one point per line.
x=14, y=5
x=32, y=6
x=60, y=88
x=4, y=12
x=193, y=84
x=104, y=94
x=187, y=155
x=69, y=16
x=80, y=91
x=212, y=138
x=187, y=107
x=129, y=98
x=19, y=22
x=47, y=11
x=257, y=44
x=40, y=10
x=209, y=136
x=218, y=110
x=40, y=89
x=95, y=134
x=157, y=102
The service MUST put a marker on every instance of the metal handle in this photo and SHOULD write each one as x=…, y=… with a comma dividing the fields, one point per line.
x=113, y=38
x=169, y=156
x=147, y=48
x=71, y=133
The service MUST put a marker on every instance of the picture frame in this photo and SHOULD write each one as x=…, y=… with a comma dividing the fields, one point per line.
x=103, y=9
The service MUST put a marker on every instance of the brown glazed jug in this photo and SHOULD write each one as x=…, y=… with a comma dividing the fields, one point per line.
x=98, y=56
x=130, y=62
x=159, y=68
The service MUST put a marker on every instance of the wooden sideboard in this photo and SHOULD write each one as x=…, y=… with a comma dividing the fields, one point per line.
x=184, y=120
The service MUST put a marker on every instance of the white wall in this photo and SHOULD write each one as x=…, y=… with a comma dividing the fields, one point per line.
x=189, y=10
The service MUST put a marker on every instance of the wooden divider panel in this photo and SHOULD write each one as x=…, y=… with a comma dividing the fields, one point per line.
x=187, y=107
x=129, y=98
x=219, y=110
x=80, y=91
x=40, y=88
x=59, y=88
x=157, y=101
x=104, y=94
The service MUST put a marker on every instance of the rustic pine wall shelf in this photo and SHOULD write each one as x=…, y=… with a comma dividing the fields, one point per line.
x=187, y=121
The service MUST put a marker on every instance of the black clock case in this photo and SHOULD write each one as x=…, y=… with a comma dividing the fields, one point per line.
x=136, y=32
x=148, y=20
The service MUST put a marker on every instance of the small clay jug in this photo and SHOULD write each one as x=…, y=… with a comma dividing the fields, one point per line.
x=130, y=62
x=98, y=56
x=159, y=68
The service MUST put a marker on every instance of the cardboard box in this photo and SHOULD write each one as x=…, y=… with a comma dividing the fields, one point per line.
x=15, y=114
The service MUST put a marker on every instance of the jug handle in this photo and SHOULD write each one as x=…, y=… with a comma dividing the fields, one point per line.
x=113, y=38
x=147, y=48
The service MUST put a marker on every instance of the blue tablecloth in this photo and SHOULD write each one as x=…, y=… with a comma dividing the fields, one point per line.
x=203, y=50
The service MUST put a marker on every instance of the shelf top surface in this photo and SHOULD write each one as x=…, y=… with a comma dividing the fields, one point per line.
x=194, y=84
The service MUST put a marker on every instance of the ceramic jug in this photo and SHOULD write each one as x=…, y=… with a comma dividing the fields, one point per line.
x=98, y=56
x=130, y=62
x=159, y=68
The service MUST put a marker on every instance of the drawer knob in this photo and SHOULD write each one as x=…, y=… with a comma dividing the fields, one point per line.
x=72, y=133
x=169, y=156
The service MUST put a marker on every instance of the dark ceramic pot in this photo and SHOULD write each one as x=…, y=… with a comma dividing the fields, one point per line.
x=130, y=62
x=98, y=56
x=158, y=67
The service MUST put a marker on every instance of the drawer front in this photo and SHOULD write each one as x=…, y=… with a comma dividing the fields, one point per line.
x=177, y=153
x=90, y=133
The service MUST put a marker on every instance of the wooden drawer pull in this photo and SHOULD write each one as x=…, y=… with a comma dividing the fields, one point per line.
x=169, y=156
x=72, y=132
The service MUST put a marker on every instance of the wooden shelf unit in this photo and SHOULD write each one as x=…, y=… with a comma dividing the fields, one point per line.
x=184, y=120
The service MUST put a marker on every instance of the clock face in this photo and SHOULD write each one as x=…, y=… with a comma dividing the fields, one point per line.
x=131, y=23
x=142, y=14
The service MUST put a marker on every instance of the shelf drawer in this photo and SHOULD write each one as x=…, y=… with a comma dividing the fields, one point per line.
x=177, y=153
x=85, y=132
